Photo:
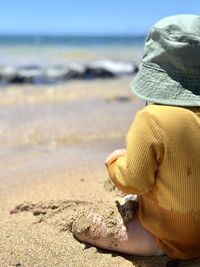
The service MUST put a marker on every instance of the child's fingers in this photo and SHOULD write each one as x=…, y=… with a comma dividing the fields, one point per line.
x=117, y=152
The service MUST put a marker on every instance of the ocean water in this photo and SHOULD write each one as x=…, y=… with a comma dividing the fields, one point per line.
x=52, y=59
x=43, y=50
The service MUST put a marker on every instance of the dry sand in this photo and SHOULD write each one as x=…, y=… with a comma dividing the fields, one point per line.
x=54, y=140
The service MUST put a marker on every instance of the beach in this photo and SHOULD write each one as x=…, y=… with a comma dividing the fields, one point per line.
x=54, y=141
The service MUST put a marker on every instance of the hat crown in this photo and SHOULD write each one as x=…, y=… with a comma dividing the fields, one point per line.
x=173, y=45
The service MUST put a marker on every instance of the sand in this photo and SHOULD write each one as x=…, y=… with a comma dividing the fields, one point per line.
x=54, y=140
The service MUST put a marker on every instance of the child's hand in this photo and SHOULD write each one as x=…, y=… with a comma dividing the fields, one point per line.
x=115, y=153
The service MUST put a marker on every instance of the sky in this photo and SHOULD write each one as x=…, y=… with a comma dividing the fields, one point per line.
x=88, y=17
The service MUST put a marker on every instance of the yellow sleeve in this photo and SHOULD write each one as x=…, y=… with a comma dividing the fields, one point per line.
x=135, y=172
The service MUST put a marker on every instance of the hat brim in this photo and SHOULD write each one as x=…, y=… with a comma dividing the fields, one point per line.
x=157, y=86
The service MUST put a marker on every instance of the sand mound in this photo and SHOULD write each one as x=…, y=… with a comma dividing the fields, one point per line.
x=72, y=215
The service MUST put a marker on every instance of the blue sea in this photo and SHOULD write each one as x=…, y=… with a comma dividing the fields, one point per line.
x=38, y=49
x=46, y=59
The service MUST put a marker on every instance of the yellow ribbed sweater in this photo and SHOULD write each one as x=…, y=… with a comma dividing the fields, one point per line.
x=162, y=166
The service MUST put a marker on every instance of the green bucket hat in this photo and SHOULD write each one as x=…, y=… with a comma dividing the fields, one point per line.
x=170, y=70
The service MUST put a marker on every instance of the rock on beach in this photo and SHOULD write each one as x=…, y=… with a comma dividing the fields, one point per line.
x=36, y=74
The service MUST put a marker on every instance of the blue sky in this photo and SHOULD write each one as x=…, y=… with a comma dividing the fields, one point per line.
x=88, y=16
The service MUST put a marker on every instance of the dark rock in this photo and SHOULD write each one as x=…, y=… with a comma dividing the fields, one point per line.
x=30, y=73
x=16, y=79
x=136, y=68
x=74, y=70
x=97, y=72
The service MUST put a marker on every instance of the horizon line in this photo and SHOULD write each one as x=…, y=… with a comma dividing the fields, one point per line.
x=73, y=34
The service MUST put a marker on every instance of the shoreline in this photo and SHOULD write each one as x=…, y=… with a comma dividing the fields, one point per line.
x=37, y=74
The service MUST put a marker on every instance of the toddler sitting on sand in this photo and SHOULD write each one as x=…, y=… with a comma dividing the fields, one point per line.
x=162, y=161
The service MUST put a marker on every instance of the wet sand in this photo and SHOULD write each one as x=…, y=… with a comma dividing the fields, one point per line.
x=54, y=140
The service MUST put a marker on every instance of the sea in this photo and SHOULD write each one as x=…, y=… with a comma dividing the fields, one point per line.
x=36, y=54
x=38, y=49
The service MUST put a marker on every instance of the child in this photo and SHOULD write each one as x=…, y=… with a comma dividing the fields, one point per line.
x=162, y=161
